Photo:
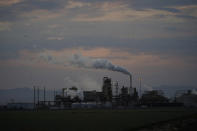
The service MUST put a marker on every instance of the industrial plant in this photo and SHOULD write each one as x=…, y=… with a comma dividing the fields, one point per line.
x=123, y=97
x=112, y=96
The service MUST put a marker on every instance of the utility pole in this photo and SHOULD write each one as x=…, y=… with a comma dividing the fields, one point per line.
x=140, y=86
x=44, y=95
x=34, y=97
x=116, y=85
x=38, y=94
x=54, y=94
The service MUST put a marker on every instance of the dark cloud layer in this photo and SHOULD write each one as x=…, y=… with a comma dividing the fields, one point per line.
x=12, y=12
x=159, y=4
x=164, y=28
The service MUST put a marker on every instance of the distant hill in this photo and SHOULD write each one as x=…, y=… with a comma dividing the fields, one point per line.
x=171, y=90
x=24, y=94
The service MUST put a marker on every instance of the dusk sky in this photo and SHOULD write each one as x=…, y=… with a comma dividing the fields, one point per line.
x=154, y=38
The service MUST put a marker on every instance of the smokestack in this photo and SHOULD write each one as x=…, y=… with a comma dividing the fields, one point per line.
x=130, y=77
x=130, y=89
x=116, y=85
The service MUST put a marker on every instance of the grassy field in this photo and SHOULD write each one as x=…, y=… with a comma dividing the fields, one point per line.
x=88, y=120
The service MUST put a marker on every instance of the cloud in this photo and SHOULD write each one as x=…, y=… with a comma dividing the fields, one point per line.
x=9, y=2
x=155, y=37
x=77, y=4
x=55, y=38
x=121, y=11
x=14, y=11
x=103, y=24
x=61, y=58
x=156, y=68
x=53, y=26
x=98, y=10
x=39, y=15
x=190, y=10
x=155, y=4
x=5, y=26
x=116, y=11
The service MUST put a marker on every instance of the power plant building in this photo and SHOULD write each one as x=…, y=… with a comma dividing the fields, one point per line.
x=107, y=89
x=105, y=98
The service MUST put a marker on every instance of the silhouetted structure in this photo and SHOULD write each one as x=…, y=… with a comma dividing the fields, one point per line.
x=90, y=96
x=107, y=89
x=154, y=97
x=188, y=99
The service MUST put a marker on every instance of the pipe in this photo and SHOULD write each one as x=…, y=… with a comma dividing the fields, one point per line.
x=130, y=89
x=34, y=97
x=38, y=95
x=130, y=76
x=140, y=80
x=54, y=93
x=44, y=95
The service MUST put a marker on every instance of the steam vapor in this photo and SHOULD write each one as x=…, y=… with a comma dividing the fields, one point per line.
x=86, y=62
x=80, y=61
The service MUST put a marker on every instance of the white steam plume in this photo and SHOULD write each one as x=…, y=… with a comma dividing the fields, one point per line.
x=86, y=62
x=80, y=61
x=84, y=83
x=194, y=91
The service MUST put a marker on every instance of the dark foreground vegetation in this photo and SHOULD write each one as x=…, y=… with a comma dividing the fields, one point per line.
x=94, y=120
x=185, y=123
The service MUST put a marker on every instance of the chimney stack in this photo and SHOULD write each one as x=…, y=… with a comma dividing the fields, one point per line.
x=130, y=90
x=130, y=77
